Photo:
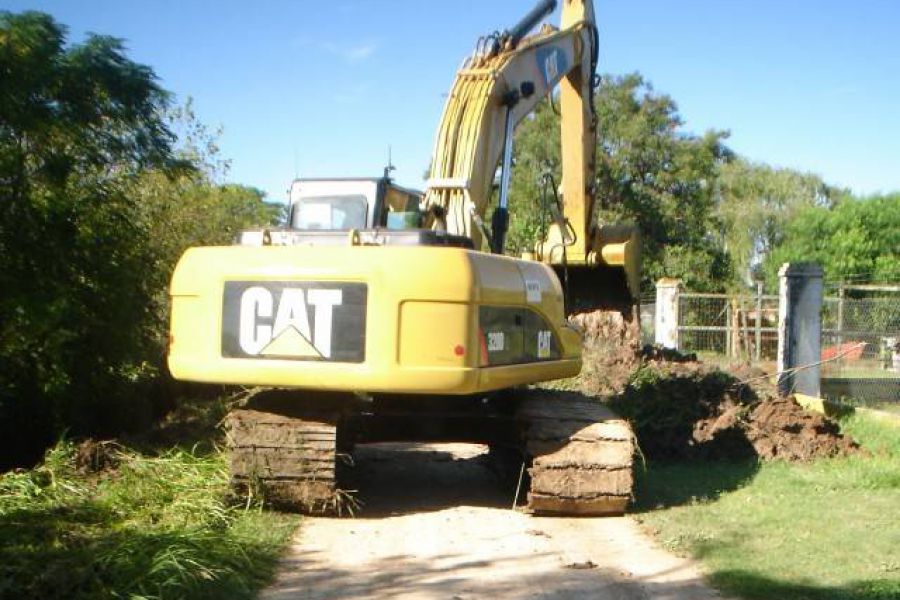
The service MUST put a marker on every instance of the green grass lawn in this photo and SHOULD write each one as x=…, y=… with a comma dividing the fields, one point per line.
x=889, y=407
x=154, y=526
x=823, y=530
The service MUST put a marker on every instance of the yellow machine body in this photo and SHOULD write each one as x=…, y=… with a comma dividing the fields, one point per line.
x=435, y=320
x=350, y=310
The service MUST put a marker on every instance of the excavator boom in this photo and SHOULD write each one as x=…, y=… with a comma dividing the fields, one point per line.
x=497, y=87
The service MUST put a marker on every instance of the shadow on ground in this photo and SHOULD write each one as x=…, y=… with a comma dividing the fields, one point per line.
x=448, y=576
x=391, y=479
x=457, y=577
x=751, y=586
x=666, y=484
x=437, y=523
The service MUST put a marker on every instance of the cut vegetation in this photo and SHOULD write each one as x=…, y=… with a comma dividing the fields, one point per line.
x=105, y=521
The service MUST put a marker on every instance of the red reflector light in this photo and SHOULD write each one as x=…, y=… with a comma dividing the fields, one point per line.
x=482, y=346
x=459, y=350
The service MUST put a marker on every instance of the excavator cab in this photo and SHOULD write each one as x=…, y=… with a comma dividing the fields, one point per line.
x=353, y=203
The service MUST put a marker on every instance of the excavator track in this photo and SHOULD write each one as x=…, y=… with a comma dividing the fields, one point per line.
x=581, y=454
x=286, y=449
x=285, y=454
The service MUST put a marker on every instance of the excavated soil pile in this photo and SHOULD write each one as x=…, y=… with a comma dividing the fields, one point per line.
x=93, y=456
x=690, y=410
x=781, y=428
x=612, y=351
x=681, y=408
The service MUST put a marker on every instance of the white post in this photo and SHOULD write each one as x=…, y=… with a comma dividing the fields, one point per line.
x=799, y=328
x=666, y=319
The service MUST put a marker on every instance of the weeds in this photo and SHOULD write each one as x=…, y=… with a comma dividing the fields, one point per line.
x=152, y=527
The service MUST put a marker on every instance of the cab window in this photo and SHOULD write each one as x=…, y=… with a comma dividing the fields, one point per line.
x=330, y=212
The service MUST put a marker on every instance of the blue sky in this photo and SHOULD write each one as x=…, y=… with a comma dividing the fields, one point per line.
x=322, y=88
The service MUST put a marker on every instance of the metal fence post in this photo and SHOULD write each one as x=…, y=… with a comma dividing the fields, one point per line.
x=757, y=337
x=666, y=318
x=729, y=349
x=799, y=328
x=840, y=323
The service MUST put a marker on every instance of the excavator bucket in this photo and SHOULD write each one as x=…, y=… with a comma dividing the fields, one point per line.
x=611, y=277
x=606, y=277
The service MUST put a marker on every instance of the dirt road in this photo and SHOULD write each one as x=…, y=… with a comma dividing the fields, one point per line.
x=436, y=523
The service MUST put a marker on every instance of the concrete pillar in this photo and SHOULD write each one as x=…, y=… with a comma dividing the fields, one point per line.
x=799, y=328
x=666, y=321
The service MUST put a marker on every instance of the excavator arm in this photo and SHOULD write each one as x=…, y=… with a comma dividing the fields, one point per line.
x=499, y=85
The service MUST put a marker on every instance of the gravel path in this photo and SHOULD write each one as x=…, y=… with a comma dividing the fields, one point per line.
x=436, y=523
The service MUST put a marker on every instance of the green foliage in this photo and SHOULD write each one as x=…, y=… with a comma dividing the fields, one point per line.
x=652, y=173
x=649, y=172
x=663, y=405
x=97, y=203
x=191, y=209
x=777, y=530
x=73, y=109
x=77, y=124
x=155, y=527
x=535, y=152
x=756, y=202
x=707, y=217
x=858, y=240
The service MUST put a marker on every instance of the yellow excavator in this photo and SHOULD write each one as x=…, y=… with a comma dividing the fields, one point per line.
x=376, y=315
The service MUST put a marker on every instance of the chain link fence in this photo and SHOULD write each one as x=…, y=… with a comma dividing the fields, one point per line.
x=861, y=345
x=648, y=318
x=860, y=337
x=733, y=327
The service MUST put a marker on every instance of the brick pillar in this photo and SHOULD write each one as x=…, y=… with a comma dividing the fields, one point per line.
x=799, y=327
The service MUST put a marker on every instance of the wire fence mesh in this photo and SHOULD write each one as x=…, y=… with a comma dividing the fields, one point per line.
x=648, y=319
x=861, y=345
x=860, y=337
x=734, y=327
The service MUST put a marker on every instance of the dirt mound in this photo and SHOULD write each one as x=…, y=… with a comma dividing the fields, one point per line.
x=686, y=409
x=775, y=428
x=781, y=428
x=612, y=343
x=682, y=408
x=93, y=456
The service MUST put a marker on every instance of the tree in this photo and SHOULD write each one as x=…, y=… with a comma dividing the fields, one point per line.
x=96, y=202
x=648, y=172
x=535, y=152
x=857, y=240
x=191, y=209
x=184, y=212
x=75, y=124
x=755, y=204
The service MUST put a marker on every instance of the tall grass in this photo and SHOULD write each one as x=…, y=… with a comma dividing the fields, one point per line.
x=151, y=527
